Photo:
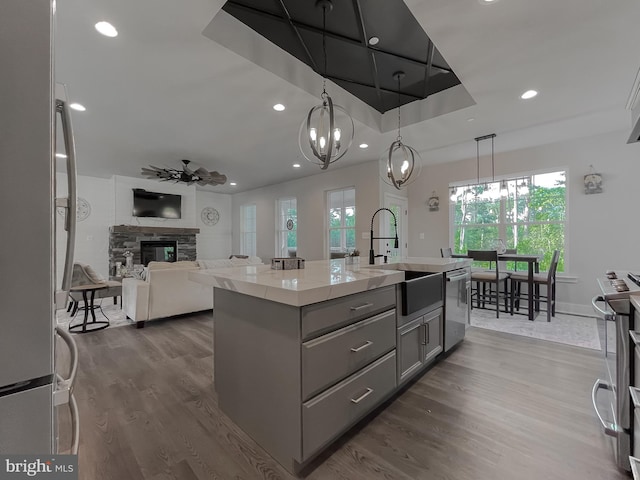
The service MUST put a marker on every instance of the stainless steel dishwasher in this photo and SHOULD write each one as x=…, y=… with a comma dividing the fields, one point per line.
x=456, y=306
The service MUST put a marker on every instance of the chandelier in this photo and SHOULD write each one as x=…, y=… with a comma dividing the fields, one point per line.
x=187, y=175
x=401, y=164
x=327, y=132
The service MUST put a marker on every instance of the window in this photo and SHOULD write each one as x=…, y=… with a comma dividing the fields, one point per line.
x=248, y=230
x=286, y=227
x=529, y=215
x=341, y=208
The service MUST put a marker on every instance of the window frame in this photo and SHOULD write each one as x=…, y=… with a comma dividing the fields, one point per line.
x=503, y=224
x=343, y=228
x=248, y=237
x=282, y=232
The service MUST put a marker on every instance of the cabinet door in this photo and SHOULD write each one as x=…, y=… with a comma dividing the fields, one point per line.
x=410, y=349
x=432, y=335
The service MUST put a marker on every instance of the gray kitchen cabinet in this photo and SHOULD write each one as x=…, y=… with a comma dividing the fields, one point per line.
x=295, y=378
x=418, y=343
x=410, y=358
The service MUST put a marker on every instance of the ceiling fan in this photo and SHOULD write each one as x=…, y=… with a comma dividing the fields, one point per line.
x=187, y=175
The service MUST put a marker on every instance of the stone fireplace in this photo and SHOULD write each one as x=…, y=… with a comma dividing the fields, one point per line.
x=157, y=243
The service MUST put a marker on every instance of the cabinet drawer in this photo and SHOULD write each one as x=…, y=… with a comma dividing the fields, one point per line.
x=333, y=356
x=322, y=317
x=331, y=412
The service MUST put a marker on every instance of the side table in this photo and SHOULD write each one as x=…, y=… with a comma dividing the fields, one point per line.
x=89, y=306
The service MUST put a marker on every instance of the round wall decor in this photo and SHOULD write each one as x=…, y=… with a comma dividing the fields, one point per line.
x=209, y=216
x=83, y=209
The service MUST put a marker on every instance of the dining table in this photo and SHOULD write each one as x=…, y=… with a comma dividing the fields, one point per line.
x=533, y=266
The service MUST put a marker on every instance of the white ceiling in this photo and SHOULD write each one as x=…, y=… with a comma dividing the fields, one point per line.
x=161, y=91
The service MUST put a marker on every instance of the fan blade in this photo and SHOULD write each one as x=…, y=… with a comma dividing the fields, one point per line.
x=217, y=178
x=201, y=172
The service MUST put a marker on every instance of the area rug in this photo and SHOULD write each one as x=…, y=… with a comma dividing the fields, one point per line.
x=112, y=312
x=568, y=329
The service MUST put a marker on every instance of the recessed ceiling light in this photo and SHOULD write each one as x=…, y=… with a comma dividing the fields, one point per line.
x=374, y=40
x=470, y=119
x=278, y=107
x=487, y=2
x=77, y=106
x=296, y=165
x=106, y=29
x=528, y=94
x=364, y=145
x=233, y=184
x=60, y=155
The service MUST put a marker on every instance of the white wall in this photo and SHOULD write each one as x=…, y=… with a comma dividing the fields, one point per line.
x=601, y=230
x=92, y=234
x=111, y=203
x=214, y=241
x=310, y=193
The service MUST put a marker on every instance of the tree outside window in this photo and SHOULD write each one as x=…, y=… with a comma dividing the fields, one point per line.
x=529, y=216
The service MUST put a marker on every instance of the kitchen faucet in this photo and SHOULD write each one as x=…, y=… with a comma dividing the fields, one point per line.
x=372, y=254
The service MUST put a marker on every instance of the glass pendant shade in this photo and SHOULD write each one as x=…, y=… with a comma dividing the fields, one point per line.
x=326, y=134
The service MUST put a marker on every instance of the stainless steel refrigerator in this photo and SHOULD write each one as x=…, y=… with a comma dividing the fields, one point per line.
x=30, y=387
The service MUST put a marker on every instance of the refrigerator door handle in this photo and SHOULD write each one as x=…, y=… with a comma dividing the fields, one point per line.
x=73, y=349
x=75, y=425
x=64, y=389
x=70, y=205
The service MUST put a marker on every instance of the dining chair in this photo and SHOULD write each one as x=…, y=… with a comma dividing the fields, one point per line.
x=490, y=277
x=446, y=252
x=547, y=279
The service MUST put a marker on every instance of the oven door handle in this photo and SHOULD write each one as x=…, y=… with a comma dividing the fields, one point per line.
x=610, y=429
x=605, y=314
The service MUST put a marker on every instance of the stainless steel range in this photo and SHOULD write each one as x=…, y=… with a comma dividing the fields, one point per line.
x=610, y=394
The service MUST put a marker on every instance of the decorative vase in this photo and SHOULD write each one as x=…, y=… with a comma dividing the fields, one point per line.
x=128, y=260
x=499, y=246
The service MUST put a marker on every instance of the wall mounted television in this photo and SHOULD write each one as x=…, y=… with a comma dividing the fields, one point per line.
x=154, y=204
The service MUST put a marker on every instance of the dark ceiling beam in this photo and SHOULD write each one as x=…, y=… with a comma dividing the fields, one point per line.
x=296, y=32
x=364, y=42
x=337, y=36
x=427, y=70
x=382, y=89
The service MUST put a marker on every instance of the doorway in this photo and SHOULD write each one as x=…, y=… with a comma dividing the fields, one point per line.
x=400, y=207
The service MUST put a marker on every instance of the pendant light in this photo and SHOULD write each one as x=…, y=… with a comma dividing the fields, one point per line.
x=327, y=132
x=401, y=163
x=491, y=136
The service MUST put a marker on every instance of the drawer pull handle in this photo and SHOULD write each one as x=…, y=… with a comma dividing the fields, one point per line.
x=366, y=344
x=366, y=305
x=363, y=396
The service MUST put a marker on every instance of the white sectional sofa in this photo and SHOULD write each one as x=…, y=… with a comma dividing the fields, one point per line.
x=167, y=291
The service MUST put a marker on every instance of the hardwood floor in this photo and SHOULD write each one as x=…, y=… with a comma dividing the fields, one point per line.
x=499, y=407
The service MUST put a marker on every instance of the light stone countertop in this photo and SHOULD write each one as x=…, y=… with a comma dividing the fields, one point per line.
x=320, y=280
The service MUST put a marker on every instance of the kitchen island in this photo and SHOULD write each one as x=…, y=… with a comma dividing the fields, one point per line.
x=302, y=355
